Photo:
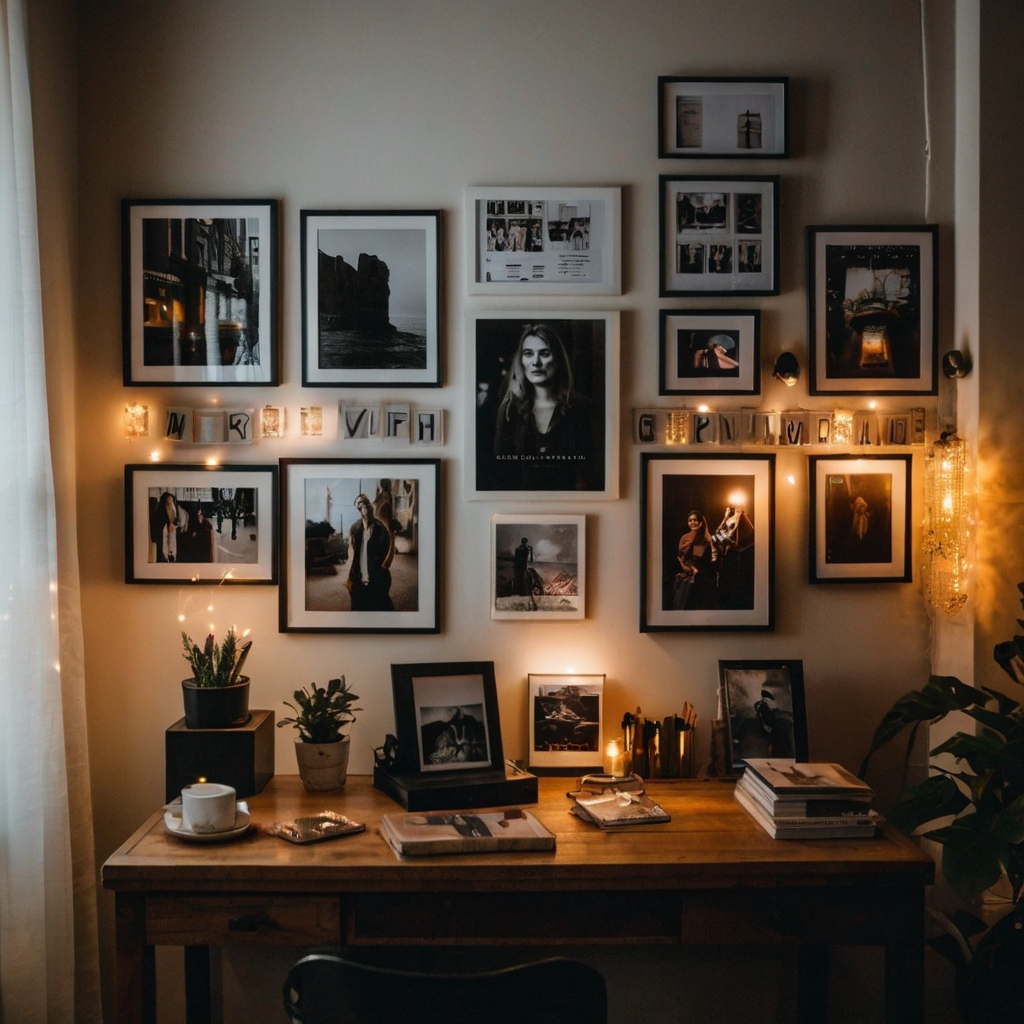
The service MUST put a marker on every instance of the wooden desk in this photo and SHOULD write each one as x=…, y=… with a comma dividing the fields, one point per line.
x=709, y=877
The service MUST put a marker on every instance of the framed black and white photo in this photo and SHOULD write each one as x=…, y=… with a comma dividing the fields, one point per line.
x=764, y=710
x=860, y=518
x=200, y=524
x=538, y=567
x=199, y=292
x=719, y=235
x=873, y=310
x=361, y=541
x=446, y=718
x=565, y=723
x=544, y=407
x=544, y=241
x=707, y=542
x=723, y=117
x=710, y=352
x=371, y=298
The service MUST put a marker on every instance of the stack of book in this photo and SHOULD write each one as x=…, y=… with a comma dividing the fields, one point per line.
x=792, y=800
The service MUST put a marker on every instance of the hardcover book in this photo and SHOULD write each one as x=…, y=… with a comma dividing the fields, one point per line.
x=465, y=832
x=807, y=828
x=788, y=778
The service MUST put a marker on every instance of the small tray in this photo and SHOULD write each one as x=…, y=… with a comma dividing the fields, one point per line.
x=316, y=828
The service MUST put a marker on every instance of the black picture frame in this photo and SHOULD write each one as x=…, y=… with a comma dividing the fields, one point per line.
x=709, y=352
x=183, y=261
x=446, y=718
x=764, y=710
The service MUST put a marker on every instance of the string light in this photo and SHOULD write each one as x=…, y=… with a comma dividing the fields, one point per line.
x=945, y=525
x=136, y=421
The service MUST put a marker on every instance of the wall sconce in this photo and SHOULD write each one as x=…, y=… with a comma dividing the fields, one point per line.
x=311, y=421
x=136, y=421
x=955, y=364
x=271, y=421
x=945, y=525
x=786, y=369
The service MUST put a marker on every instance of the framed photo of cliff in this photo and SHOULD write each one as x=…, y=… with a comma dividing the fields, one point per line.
x=371, y=298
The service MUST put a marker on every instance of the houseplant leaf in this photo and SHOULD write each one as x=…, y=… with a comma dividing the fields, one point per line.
x=936, y=797
x=972, y=856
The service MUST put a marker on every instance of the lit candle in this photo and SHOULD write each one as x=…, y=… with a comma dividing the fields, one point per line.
x=614, y=763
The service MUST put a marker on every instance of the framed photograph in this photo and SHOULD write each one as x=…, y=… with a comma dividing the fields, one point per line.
x=368, y=532
x=873, y=310
x=716, y=117
x=707, y=542
x=565, y=723
x=199, y=292
x=446, y=718
x=719, y=235
x=860, y=518
x=710, y=352
x=200, y=524
x=544, y=406
x=371, y=298
x=763, y=708
x=544, y=241
x=538, y=567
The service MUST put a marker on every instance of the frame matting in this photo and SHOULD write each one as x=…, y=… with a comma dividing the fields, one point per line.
x=710, y=352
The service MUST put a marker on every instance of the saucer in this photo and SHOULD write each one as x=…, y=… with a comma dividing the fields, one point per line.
x=174, y=826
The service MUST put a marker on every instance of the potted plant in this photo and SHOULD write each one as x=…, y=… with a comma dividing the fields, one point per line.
x=977, y=817
x=217, y=694
x=321, y=750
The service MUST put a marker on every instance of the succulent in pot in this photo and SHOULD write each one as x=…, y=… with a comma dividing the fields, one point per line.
x=217, y=694
x=322, y=750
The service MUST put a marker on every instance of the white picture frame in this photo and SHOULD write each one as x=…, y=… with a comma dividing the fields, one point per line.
x=564, y=737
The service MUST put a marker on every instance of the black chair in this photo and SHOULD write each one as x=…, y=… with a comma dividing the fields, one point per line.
x=324, y=988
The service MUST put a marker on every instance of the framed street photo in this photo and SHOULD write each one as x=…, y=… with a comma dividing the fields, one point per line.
x=544, y=241
x=715, y=352
x=371, y=298
x=719, y=235
x=544, y=406
x=873, y=310
x=538, y=567
x=860, y=518
x=723, y=117
x=361, y=543
x=199, y=292
x=200, y=524
x=565, y=723
x=707, y=542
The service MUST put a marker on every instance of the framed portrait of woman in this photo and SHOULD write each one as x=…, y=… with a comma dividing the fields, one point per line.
x=544, y=406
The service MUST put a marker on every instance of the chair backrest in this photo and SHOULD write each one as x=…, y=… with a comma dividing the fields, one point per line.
x=324, y=988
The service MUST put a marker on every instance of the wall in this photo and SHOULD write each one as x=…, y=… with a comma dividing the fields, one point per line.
x=402, y=104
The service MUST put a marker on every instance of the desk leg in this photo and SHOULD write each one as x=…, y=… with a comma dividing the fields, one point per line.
x=812, y=985
x=904, y=982
x=135, y=963
x=197, y=985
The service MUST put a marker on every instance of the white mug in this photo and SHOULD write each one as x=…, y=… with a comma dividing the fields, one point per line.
x=208, y=807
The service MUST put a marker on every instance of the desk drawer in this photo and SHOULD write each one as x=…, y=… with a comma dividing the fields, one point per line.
x=250, y=920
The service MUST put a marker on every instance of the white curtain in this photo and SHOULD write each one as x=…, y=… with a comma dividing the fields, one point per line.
x=48, y=968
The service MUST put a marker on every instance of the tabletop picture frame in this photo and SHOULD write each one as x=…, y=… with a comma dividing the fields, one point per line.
x=565, y=723
x=371, y=298
x=860, y=518
x=710, y=352
x=199, y=285
x=872, y=295
x=744, y=118
x=719, y=235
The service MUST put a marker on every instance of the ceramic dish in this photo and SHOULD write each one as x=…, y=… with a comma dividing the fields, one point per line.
x=174, y=826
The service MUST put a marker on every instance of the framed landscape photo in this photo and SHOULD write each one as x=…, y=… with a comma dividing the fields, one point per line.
x=538, y=567
x=199, y=292
x=371, y=298
x=200, y=524
x=707, y=542
x=860, y=518
x=710, y=352
x=544, y=406
x=723, y=117
x=544, y=241
x=764, y=710
x=873, y=310
x=361, y=545
x=565, y=723
x=719, y=235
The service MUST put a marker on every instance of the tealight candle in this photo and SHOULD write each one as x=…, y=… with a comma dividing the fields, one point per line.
x=614, y=761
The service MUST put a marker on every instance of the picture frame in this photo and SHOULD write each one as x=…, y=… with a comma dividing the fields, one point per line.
x=323, y=586
x=710, y=352
x=764, y=710
x=719, y=235
x=538, y=567
x=872, y=295
x=860, y=518
x=446, y=718
x=577, y=456
x=371, y=298
x=745, y=118
x=199, y=285
x=695, y=575
x=565, y=723
x=535, y=240
x=220, y=523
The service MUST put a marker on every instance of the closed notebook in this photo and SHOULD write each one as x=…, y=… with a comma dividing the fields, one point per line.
x=465, y=832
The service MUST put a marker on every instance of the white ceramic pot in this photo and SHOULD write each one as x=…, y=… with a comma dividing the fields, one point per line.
x=323, y=766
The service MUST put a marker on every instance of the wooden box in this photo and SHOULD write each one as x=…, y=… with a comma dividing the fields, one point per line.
x=457, y=790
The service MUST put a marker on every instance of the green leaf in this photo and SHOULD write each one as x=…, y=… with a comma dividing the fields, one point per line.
x=936, y=797
x=972, y=857
x=1006, y=704
x=1009, y=825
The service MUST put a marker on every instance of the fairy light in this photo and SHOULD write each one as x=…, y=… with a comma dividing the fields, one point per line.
x=945, y=525
x=311, y=421
x=675, y=427
x=842, y=427
x=271, y=421
x=136, y=421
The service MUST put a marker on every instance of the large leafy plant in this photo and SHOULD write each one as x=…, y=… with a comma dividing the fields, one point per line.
x=322, y=712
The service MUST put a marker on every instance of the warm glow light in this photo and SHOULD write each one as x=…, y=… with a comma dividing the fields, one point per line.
x=842, y=427
x=703, y=408
x=791, y=478
x=311, y=421
x=271, y=422
x=675, y=427
x=738, y=499
x=872, y=404
x=136, y=421
x=946, y=525
x=154, y=456
x=212, y=461
x=181, y=618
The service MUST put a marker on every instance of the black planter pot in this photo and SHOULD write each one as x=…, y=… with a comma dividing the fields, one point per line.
x=215, y=707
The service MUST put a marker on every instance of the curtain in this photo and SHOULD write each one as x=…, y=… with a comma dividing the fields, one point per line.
x=48, y=960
